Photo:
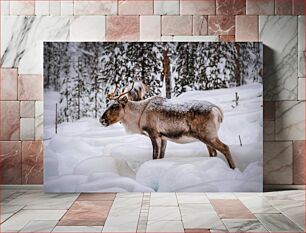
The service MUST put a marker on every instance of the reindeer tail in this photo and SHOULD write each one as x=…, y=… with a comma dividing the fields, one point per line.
x=220, y=115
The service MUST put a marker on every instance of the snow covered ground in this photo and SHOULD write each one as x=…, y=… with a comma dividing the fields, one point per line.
x=85, y=156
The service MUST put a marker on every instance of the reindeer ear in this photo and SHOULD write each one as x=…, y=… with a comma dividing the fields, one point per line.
x=123, y=100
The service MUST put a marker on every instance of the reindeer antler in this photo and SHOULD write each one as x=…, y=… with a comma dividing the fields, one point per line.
x=111, y=95
x=123, y=93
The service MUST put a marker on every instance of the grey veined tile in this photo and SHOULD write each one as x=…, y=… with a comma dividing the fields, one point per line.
x=19, y=220
x=238, y=225
x=278, y=163
x=9, y=210
x=40, y=200
x=290, y=120
x=78, y=229
x=278, y=223
x=280, y=37
x=258, y=205
x=301, y=46
x=294, y=210
x=39, y=226
x=293, y=195
x=23, y=36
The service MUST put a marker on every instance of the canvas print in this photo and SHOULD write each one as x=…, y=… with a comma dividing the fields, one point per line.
x=153, y=117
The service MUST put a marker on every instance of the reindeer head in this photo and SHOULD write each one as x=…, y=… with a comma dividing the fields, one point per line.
x=115, y=109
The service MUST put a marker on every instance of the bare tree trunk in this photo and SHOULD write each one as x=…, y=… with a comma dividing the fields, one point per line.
x=237, y=61
x=166, y=73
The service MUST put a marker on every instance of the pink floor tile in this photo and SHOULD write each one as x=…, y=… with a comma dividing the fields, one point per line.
x=97, y=197
x=231, y=209
x=86, y=213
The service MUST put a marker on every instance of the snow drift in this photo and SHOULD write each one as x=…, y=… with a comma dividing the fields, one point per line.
x=85, y=156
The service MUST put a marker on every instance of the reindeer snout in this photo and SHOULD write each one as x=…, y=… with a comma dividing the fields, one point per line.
x=104, y=122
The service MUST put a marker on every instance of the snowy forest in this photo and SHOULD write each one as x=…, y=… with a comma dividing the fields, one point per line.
x=83, y=73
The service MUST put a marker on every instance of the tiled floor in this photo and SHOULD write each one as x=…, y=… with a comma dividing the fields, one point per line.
x=35, y=211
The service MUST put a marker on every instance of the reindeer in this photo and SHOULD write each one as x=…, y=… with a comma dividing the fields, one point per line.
x=162, y=119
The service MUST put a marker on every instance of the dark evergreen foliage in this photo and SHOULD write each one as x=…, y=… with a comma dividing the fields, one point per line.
x=84, y=72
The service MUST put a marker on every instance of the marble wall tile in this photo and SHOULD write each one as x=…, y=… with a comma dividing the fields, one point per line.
x=107, y=7
x=167, y=38
x=269, y=110
x=5, y=7
x=200, y=25
x=278, y=163
x=27, y=129
x=42, y=7
x=227, y=38
x=203, y=7
x=30, y=87
x=269, y=131
x=122, y=28
x=55, y=8
x=39, y=120
x=8, y=84
x=221, y=25
x=87, y=28
x=22, y=7
x=260, y=7
x=135, y=7
x=279, y=35
x=150, y=28
x=290, y=120
x=247, y=28
x=298, y=162
x=9, y=120
x=22, y=39
x=10, y=162
x=166, y=7
x=66, y=8
x=32, y=162
x=283, y=7
x=27, y=109
x=301, y=89
x=176, y=25
x=301, y=47
x=298, y=7
x=195, y=38
x=230, y=7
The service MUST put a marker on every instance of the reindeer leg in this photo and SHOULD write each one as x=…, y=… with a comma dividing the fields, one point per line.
x=212, y=152
x=224, y=149
x=163, y=148
x=156, y=143
x=216, y=144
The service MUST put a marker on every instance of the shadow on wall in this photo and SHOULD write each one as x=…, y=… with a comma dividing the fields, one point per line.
x=269, y=80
